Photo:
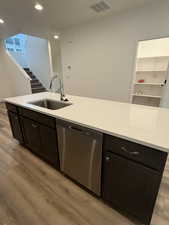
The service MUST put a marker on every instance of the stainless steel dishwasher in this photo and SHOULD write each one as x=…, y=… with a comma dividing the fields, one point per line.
x=80, y=151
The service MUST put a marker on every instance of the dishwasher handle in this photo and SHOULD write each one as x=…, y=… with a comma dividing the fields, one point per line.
x=79, y=130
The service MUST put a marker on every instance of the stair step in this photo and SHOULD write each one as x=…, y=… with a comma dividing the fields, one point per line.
x=38, y=87
x=32, y=77
x=37, y=90
x=35, y=85
x=34, y=81
x=27, y=69
x=29, y=72
x=41, y=91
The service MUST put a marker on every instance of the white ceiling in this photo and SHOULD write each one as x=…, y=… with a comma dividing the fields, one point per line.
x=21, y=17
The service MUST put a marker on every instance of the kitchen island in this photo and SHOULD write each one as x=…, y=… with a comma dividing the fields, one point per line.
x=134, y=139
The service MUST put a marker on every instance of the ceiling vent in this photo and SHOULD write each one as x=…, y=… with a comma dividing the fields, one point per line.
x=100, y=7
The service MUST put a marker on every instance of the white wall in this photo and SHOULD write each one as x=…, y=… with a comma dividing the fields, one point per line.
x=37, y=54
x=56, y=59
x=102, y=53
x=5, y=84
x=20, y=58
x=56, y=55
x=13, y=80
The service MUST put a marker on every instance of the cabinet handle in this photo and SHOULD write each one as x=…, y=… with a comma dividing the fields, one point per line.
x=131, y=153
x=107, y=158
x=75, y=128
x=34, y=126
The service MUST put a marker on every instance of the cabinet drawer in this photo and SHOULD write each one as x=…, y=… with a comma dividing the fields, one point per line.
x=11, y=107
x=147, y=156
x=39, y=117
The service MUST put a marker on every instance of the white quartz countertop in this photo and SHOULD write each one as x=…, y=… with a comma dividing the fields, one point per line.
x=141, y=124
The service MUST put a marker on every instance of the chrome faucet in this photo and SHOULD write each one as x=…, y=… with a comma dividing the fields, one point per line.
x=61, y=89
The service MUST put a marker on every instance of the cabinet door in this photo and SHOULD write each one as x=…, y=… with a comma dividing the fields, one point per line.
x=31, y=134
x=49, y=147
x=130, y=186
x=15, y=126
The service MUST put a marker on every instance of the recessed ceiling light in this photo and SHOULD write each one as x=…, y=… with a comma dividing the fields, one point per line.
x=2, y=21
x=56, y=36
x=38, y=7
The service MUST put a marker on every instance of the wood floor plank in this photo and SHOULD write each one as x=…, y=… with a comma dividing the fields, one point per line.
x=33, y=193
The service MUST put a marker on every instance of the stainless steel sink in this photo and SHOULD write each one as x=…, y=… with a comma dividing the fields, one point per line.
x=50, y=104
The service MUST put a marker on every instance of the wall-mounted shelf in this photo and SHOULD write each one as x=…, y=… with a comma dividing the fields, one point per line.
x=155, y=84
x=147, y=96
x=153, y=71
x=153, y=57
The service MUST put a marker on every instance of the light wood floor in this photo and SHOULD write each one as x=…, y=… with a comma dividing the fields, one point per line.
x=33, y=193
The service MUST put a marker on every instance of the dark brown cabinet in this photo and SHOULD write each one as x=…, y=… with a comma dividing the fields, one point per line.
x=15, y=126
x=127, y=183
x=31, y=131
x=36, y=132
x=41, y=139
x=49, y=150
x=130, y=186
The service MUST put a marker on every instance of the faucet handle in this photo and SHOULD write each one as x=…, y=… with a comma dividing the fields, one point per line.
x=63, y=98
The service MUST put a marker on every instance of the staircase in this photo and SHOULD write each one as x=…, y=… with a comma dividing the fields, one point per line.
x=36, y=85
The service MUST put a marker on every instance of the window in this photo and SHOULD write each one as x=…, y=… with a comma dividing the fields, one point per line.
x=9, y=41
x=17, y=41
x=10, y=49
